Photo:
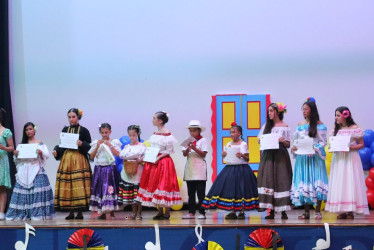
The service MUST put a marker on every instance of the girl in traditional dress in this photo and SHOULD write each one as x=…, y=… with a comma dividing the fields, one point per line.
x=235, y=188
x=32, y=196
x=129, y=184
x=274, y=177
x=309, y=181
x=159, y=184
x=73, y=180
x=104, y=189
x=347, y=182
x=6, y=145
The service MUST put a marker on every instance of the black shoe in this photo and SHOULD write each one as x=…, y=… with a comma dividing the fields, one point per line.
x=241, y=216
x=157, y=217
x=79, y=217
x=69, y=217
x=163, y=217
x=270, y=216
x=231, y=216
x=284, y=216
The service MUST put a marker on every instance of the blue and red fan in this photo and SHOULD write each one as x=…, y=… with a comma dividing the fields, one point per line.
x=93, y=240
x=264, y=238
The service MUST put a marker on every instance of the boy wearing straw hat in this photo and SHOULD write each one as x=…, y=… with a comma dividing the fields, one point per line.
x=195, y=173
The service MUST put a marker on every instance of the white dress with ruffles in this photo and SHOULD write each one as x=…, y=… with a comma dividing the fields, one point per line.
x=347, y=181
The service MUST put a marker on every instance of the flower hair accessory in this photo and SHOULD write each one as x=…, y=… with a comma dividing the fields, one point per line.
x=311, y=99
x=99, y=125
x=80, y=112
x=233, y=124
x=35, y=127
x=281, y=107
x=346, y=114
x=166, y=113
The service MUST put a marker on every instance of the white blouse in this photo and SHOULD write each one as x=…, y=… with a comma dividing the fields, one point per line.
x=243, y=148
x=284, y=132
x=196, y=167
x=135, y=152
x=104, y=156
x=164, y=141
x=27, y=169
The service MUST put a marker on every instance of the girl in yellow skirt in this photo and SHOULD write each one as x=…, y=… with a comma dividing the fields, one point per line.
x=73, y=180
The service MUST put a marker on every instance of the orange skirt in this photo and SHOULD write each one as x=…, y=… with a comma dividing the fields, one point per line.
x=73, y=182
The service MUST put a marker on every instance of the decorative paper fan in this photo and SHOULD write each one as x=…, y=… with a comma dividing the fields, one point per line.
x=207, y=245
x=263, y=239
x=204, y=245
x=93, y=239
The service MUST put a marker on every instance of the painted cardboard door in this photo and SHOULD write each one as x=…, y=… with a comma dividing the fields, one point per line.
x=248, y=111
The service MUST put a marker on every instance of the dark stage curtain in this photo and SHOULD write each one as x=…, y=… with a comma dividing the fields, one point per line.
x=5, y=96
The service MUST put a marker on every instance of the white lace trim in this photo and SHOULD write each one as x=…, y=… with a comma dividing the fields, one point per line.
x=162, y=202
x=30, y=206
x=276, y=209
x=32, y=191
x=270, y=191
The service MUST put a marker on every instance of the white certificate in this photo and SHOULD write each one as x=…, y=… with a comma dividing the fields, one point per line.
x=269, y=141
x=231, y=157
x=27, y=151
x=339, y=143
x=305, y=146
x=68, y=140
x=186, y=142
x=151, y=154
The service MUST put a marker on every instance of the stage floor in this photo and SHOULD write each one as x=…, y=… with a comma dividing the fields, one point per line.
x=214, y=218
x=179, y=234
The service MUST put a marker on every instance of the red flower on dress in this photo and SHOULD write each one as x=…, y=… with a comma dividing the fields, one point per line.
x=110, y=190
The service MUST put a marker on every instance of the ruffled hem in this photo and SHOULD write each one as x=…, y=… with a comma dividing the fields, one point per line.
x=275, y=208
x=158, y=198
x=105, y=209
x=309, y=194
x=352, y=206
x=230, y=204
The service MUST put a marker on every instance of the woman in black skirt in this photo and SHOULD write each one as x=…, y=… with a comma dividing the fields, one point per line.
x=274, y=177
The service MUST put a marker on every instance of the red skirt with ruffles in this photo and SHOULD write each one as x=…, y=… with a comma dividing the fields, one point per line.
x=159, y=184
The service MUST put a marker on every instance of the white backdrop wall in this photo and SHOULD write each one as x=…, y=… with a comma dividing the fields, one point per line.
x=121, y=61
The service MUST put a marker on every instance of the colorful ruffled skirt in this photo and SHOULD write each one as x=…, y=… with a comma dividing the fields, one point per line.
x=73, y=182
x=127, y=192
x=35, y=203
x=274, y=179
x=104, y=190
x=309, y=181
x=235, y=188
x=159, y=184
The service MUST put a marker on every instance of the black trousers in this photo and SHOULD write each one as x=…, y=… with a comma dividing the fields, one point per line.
x=194, y=187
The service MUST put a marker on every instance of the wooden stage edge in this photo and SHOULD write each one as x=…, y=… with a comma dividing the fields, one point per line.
x=214, y=219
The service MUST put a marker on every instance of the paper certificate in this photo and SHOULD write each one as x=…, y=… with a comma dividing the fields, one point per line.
x=27, y=151
x=339, y=143
x=231, y=157
x=305, y=146
x=151, y=154
x=187, y=142
x=108, y=153
x=68, y=140
x=269, y=141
